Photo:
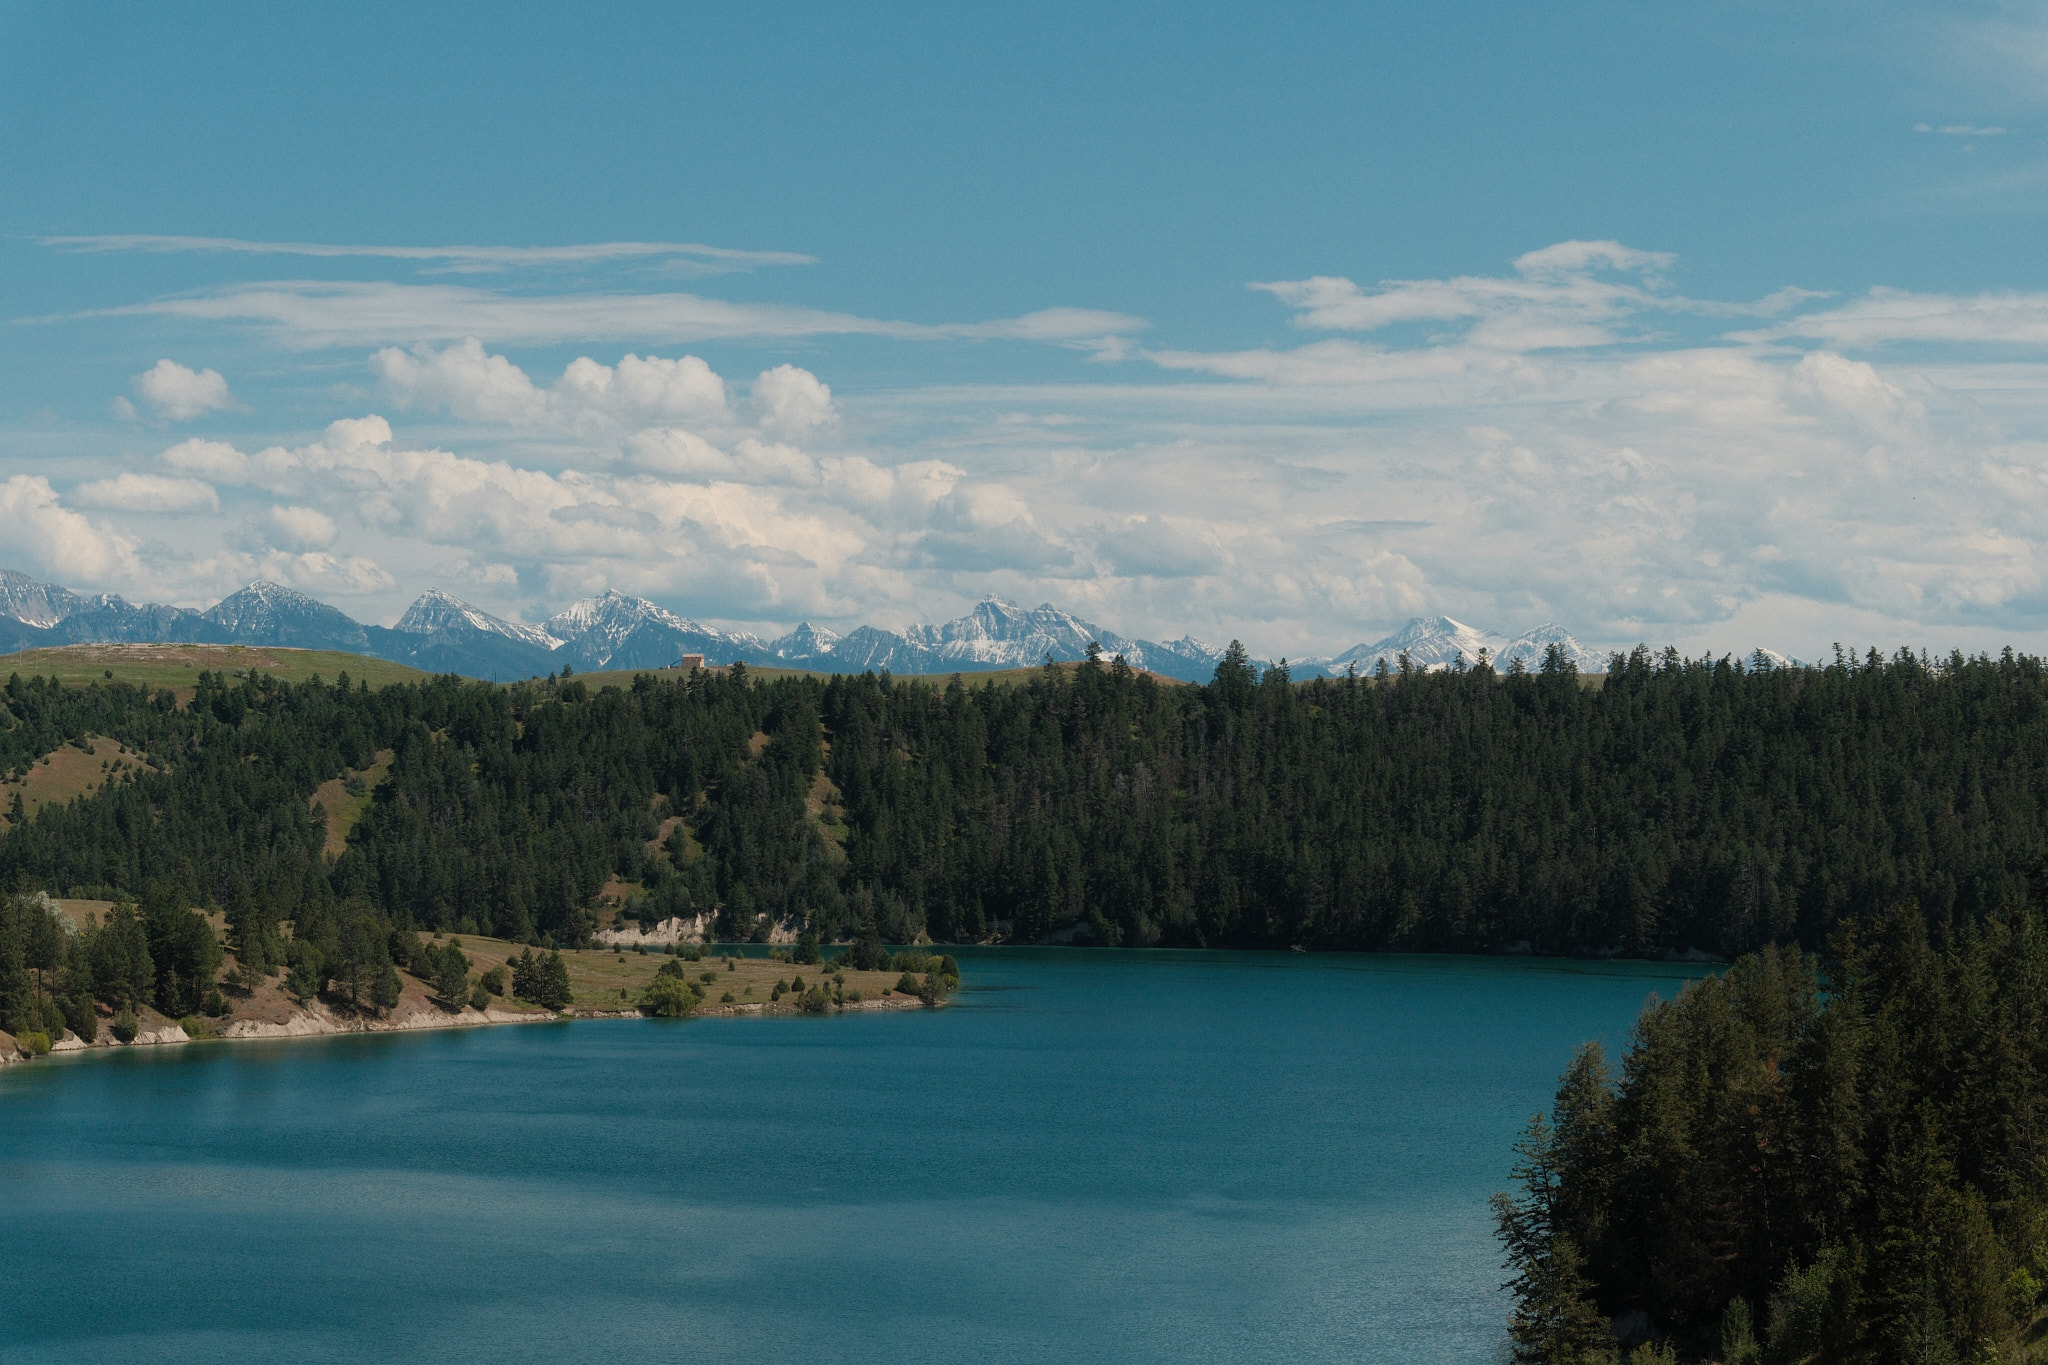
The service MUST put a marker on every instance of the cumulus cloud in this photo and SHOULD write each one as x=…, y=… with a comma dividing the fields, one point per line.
x=758, y=521
x=469, y=382
x=1572, y=439
x=176, y=394
x=792, y=401
x=301, y=528
x=133, y=492
x=59, y=542
x=1164, y=547
x=317, y=571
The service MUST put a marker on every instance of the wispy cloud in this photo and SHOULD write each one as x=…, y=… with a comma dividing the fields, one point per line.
x=1572, y=294
x=1960, y=130
x=1893, y=315
x=450, y=257
x=318, y=314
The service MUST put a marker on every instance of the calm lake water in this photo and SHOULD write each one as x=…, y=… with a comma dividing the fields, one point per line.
x=1096, y=1156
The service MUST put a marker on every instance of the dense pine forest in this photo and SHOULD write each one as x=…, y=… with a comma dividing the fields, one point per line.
x=1677, y=805
x=1796, y=1166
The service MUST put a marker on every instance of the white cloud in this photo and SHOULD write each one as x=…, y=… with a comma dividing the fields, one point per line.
x=57, y=541
x=1569, y=441
x=133, y=492
x=318, y=314
x=177, y=394
x=647, y=389
x=469, y=382
x=317, y=571
x=792, y=401
x=1885, y=316
x=1163, y=547
x=1961, y=130
x=452, y=257
x=208, y=459
x=301, y=528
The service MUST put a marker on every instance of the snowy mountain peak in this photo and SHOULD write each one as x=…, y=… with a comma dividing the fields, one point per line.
x=437, y=612
x=1530, y=647
x=270, y=613
x=1002, y=634
x=1428, y=641
x=264, y=605
x=615, y=612
x=806, y=641
x=34, y=604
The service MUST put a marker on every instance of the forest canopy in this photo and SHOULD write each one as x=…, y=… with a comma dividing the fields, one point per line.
x=1795, y=1165
x=1681, y=804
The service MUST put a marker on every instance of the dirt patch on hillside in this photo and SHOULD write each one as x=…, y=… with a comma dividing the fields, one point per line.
x=69, y=773
x=78, y=912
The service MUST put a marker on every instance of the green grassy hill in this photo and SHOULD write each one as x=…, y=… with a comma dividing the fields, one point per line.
x=175, y=666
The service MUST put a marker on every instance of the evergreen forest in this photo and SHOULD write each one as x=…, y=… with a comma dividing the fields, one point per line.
x=1803, y=1165
x=1679, y=804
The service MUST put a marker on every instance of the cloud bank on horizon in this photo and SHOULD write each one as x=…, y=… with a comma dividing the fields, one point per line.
x=1571, y=439
x=1288, y=446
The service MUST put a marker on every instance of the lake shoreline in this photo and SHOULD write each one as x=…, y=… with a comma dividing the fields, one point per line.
x=322, y=1020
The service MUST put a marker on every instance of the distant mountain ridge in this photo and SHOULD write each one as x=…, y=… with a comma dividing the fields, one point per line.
x=443, y=634
x=1433, y=642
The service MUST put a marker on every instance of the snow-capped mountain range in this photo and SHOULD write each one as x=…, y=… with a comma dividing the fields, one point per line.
x=443, y=634
x=1433, y=642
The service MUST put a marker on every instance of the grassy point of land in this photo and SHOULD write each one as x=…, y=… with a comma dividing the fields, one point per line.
x=597, y=975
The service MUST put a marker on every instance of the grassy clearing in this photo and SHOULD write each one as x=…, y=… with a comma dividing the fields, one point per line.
x=344, y=807
x=174, y=666
x=597, y=975
x=69, y=773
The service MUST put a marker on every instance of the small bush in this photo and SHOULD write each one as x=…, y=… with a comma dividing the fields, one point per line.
x=708, y=977
x=853, y=997
x=34, y=1042
x=2022, y=1292
x=493, y=980
x=126, y=1026
x=480, y=996
x=907, y=984
x=726, y=999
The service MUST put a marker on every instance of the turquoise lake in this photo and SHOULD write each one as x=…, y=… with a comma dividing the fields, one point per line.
x=1096, y=1155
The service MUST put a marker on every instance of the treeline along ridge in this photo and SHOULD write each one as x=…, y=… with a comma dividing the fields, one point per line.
x=1682, y=804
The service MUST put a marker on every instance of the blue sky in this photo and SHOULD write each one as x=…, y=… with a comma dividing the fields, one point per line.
x=1713, y=324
